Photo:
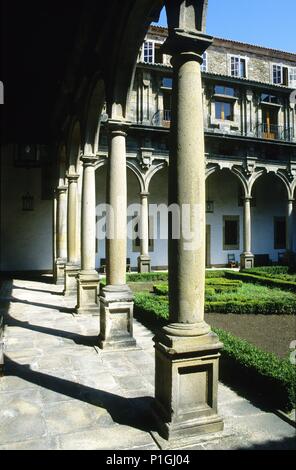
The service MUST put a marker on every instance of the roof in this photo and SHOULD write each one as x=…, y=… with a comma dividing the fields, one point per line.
x=254, y=48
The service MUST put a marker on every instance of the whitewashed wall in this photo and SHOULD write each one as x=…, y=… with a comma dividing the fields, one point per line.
x=26, y=237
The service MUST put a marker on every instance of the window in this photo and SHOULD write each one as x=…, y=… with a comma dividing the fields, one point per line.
x=238, y=67
x=224, y=111
x=292, y=77
x=167, y=82
x=231, y=233
x=267, y=98
x=148, y=52
x=280, y=75
x=204, y=65
x=224, y=90
x=152, y=53
x=279, y=233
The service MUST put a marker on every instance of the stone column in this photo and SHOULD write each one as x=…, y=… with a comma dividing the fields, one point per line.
x=247, y=257
x=72, y=267
x=61, y=234
x=88, y=278
x=116, y=298
x=187, y=352
x=290, y=225
x=144, y=260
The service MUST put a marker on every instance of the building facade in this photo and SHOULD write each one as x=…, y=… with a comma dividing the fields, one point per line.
x=250, y=135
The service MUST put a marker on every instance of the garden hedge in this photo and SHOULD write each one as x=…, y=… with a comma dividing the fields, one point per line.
x=276, y=376
x=264, y=281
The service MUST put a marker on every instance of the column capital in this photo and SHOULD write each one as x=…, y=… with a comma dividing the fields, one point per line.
x=89, y=160
x=62, y=189
x=144, y=194
x=118, y=127
x=187, y=45
x=291, y=200
x=72, y=178
x=247, y=198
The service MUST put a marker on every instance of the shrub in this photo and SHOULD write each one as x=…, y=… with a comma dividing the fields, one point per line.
x=275, y=272
x=279, y=374
x=263, y=280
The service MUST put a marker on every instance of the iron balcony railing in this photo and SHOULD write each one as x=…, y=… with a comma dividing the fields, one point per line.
x=263, y=131
x=162, y=118
x=274, y=132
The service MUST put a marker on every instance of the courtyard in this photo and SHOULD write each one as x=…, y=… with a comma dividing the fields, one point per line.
x=61, y=392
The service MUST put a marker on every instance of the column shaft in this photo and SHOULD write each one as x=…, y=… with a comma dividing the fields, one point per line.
x=290, y=225
x=72, y=219
x=88, y=218
x=247, y=225
x=187, y=191
x=62, y=222
x=117, y=199
x=144, y=225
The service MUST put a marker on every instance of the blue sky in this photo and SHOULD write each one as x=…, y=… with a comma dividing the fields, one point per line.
x=270, y=23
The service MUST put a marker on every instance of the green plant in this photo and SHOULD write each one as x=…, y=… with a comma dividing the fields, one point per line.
x=280, y=374
x=263, y=280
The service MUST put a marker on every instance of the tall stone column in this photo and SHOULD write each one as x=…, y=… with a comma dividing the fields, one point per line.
x=116, y=298
x=187, y=352
x=88, y=278
x=72, y=267
x=144, y=260
x=61, y=234
x=290, y=225
x=247, y=257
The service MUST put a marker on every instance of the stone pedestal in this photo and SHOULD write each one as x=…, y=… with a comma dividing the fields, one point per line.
x=144, y=264
x=70, y=280
x=247, y=261
x=187, y=385
x=116, y=318
x=59, y=274
x=87, y=293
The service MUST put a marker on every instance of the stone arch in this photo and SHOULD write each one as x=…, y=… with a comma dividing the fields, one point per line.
x=132, y=167
x=62, y=162
x=94, y=107
x=135, y=23
x=152, y=172
x=276, y=174
x=74, y=147
x=293, y=189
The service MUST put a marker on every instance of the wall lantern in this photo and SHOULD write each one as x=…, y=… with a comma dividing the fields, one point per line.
x=28, y=203
x=210, y=207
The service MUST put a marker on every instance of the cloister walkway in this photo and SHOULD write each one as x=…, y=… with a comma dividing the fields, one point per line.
x=60, y=392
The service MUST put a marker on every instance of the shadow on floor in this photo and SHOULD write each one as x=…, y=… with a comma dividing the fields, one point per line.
x=42, y=291
x=37, y=304
x=75, y=337
x=133, y=412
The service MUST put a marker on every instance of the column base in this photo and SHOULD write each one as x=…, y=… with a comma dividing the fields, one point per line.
x=59, y=272
x=186, y=386
x=70, y=279
x=116, y=320
x=144, y=264
x=88, y=283
x=247, y=261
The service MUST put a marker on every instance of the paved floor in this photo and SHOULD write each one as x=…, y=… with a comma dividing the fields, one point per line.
x=60, y=392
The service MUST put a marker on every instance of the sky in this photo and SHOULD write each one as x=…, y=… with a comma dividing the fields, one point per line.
x=270, y=23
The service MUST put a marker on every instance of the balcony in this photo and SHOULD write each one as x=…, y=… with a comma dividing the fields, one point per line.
x=274, y=132
x=162, y=118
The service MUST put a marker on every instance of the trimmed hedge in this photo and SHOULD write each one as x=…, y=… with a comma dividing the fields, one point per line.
x=279, y=375
x=282, y=273
x=213, y=286
x=264, y=281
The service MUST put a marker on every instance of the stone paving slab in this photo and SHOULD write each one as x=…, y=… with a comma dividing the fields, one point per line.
x=61, y=392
